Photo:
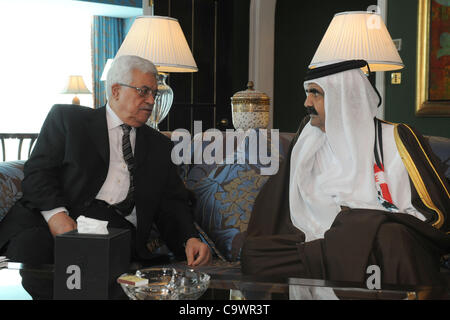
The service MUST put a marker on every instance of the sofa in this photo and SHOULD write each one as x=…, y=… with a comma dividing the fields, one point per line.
x=224, y=193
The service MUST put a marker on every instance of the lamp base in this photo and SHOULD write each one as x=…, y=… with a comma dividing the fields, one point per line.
x=76, y=100
x=162, y=104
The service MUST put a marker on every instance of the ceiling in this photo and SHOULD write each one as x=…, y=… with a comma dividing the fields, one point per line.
x=93, y=8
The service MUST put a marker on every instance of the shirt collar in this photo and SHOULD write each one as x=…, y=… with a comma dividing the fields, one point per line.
x=112, y=119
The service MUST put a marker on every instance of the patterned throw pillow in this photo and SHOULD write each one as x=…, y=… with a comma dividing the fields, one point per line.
x=11, y=175
x=225, y=194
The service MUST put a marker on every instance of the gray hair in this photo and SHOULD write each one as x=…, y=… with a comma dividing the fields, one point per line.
x=122, y=67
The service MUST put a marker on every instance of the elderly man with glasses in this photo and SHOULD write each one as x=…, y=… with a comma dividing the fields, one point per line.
x=108, y=165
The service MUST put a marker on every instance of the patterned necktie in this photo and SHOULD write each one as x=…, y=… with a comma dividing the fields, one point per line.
x=126, y=206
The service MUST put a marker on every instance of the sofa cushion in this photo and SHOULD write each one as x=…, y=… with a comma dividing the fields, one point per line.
x=441, y=148
x=225, y=196
x=11, y=175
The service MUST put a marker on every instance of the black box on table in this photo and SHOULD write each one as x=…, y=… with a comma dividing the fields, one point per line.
x=87, y=265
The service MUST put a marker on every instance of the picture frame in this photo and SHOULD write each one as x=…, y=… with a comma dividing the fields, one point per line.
x=425, y=105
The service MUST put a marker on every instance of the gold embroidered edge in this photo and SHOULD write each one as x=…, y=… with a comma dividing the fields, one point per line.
x=415, y=176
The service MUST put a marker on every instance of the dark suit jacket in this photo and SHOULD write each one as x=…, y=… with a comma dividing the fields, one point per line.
x=69, y=165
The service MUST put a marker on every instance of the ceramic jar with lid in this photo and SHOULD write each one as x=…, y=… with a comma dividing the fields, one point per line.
x=250, y=109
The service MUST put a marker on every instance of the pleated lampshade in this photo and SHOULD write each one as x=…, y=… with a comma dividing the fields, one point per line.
x=358, y=35
x=160, y=40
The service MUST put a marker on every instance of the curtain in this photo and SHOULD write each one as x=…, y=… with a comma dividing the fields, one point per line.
x=127, y=23
x=106, y=37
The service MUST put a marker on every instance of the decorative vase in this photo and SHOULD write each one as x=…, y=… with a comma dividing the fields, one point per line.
x=162, y=104
x=250, y=109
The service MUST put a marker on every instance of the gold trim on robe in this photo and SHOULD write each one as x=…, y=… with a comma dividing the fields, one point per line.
x=416, y=177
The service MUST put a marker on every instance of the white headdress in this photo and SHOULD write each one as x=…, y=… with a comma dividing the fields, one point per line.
x=335, y=168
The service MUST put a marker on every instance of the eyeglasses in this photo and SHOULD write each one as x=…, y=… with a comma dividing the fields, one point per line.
x=144, y=92
x=314, y=92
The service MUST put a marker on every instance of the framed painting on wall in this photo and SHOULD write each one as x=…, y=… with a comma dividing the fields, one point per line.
x=433, y=59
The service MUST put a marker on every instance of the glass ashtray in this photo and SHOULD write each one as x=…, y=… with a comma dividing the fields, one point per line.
x=168, y=284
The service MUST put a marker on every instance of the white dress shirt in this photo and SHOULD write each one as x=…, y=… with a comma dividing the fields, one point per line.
x=117, y=183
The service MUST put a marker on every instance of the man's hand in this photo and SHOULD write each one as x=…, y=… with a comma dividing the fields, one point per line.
x=61, y=223
x=197, y=253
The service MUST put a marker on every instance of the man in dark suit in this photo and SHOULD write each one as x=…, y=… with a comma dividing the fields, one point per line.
x=104, y=164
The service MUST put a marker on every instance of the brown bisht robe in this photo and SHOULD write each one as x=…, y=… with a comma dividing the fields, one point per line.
x=407, y=250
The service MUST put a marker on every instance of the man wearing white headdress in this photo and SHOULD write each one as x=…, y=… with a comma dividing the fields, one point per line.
x=344, y=201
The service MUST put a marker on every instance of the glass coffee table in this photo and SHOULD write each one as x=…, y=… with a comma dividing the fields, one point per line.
x=25, y=282
x=226, y=284
x=257, y=288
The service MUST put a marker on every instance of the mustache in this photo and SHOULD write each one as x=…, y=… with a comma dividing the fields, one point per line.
x=311, y=111
x=147, y=106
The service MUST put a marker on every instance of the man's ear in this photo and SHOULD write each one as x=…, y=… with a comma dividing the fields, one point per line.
x=115, y=90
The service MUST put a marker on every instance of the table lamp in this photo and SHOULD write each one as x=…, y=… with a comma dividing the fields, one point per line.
x=358, y=35
x=160, y=40
x=76, y=85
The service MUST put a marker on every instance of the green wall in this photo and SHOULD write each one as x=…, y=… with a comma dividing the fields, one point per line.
x=400, y=99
